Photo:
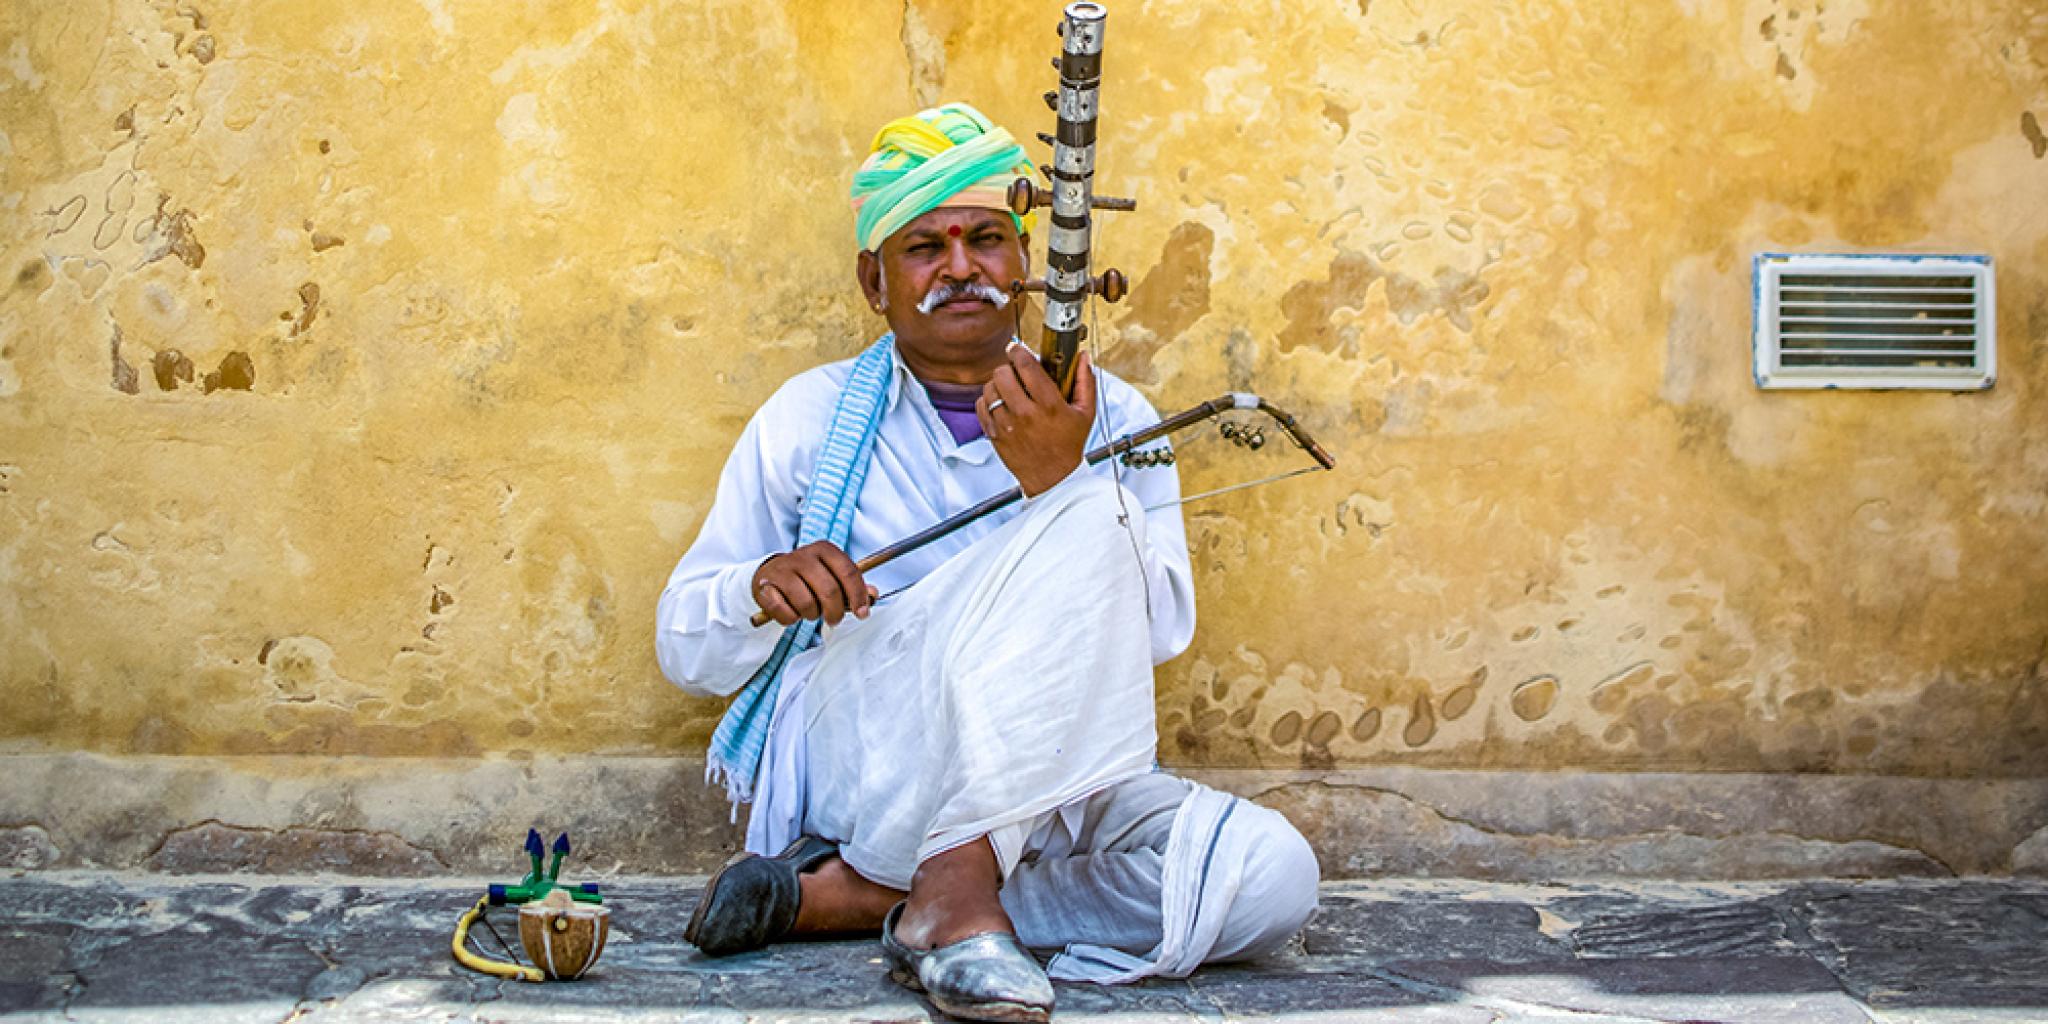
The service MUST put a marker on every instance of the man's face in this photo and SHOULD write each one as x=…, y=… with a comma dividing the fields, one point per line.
x=942, y=256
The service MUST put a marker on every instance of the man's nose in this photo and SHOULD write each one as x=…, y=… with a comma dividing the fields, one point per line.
x=960, y=263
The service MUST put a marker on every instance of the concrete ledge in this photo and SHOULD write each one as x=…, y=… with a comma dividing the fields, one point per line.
x=417, y=817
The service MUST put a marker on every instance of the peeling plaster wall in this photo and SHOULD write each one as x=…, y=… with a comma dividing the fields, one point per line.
x=364, y=368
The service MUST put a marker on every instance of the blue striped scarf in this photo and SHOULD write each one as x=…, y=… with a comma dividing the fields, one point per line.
x=742, y=735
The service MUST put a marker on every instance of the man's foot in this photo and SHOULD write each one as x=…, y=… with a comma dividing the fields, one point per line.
x=838, y=900
x=752, y=901
x=953, y=941
x=990, y=976
x=954, y=895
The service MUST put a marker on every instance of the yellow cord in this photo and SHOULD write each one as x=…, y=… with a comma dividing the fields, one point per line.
x=468, y=959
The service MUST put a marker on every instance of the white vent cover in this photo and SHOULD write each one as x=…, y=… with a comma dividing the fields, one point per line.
x=1874, y=321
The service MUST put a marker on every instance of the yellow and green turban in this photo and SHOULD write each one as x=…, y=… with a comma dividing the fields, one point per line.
x=950, y=155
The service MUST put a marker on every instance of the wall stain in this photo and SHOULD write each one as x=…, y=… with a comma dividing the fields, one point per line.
x=236, y=373
x=65, y=216
x=1286, y=729
x=174, y=236
x=171, y=368
x=2030, y=129
x=125, y=379
x=309, y=308
x=1311, y=307
x=1168, y=300
x=1366, y=725
x=34, y=276
x=1460, y=700
x=1324, y=729
x=1534, y=698
x=1421, y=726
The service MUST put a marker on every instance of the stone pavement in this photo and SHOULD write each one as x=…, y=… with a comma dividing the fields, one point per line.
x=223, y=950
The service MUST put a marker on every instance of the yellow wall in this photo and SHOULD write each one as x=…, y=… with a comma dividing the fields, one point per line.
x=365, y=367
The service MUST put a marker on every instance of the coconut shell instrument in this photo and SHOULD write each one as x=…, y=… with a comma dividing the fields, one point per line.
x=562, y=928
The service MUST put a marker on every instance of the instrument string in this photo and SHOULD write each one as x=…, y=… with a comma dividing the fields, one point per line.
x=1275, y=478
x=515, y=957
x=1116, y=465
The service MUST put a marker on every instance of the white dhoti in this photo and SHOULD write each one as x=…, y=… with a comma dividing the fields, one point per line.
x=1009, y=694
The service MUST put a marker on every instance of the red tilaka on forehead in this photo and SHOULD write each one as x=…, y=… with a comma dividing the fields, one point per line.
x=953, y=230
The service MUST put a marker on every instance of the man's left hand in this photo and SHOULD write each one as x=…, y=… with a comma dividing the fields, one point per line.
x=1038, y=434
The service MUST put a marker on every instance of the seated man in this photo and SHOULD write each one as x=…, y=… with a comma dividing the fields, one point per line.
x=975, y=730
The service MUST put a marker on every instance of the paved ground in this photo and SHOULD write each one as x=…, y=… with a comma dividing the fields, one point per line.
x=139, y=948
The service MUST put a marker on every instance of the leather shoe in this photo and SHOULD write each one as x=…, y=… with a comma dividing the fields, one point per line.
x=751, y=900
x=990, y=976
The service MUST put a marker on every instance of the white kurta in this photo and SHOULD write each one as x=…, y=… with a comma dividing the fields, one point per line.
x=918, y=477
x=1009, y=692
x=1008, y=684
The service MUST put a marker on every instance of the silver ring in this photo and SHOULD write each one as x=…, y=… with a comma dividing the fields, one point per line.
x=993, y=406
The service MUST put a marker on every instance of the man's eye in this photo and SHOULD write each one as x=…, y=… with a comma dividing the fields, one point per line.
x=925, y=247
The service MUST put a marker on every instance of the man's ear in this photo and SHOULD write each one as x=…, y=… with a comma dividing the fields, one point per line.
x=867, y=269
x=1024, y=253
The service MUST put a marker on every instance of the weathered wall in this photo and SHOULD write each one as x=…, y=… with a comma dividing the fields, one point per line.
x=364, y=368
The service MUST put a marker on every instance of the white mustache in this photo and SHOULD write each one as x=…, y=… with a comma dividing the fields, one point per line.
x=945, y=292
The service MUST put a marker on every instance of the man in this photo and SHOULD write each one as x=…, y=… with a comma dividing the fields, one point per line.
x=975, y=730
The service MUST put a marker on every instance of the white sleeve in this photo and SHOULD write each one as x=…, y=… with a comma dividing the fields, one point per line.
x=1169, y=575
x=701, y=633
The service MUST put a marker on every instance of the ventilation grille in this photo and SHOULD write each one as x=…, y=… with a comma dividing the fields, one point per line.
x=1874, y=321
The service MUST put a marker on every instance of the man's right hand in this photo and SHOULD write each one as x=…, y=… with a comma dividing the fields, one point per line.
x=816, y=581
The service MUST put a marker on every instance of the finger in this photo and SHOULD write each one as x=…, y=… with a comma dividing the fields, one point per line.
x=825, y=587
x=775, y=604
x=795, y=592
x=1016, y=401
x=1031, y=375
x=982, y=415
x=1084, y=385
x=854, y=590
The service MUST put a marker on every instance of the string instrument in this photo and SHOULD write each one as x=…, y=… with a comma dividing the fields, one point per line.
x=1066, y=287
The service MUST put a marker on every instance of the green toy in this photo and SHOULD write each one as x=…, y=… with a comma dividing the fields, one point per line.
x=536, y=886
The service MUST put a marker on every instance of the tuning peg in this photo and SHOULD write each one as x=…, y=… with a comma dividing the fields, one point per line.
x=1052, y=100
x=1110, y=287
x=1024, y=196
x=1046, y=137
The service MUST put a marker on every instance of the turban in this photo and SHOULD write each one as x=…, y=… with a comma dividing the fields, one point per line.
x=950, y=155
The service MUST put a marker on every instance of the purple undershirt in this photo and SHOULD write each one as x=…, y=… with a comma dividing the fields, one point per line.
x=955, y=405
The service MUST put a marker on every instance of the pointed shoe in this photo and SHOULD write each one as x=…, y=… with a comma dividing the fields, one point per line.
x=989, y=977
x=751, y=900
